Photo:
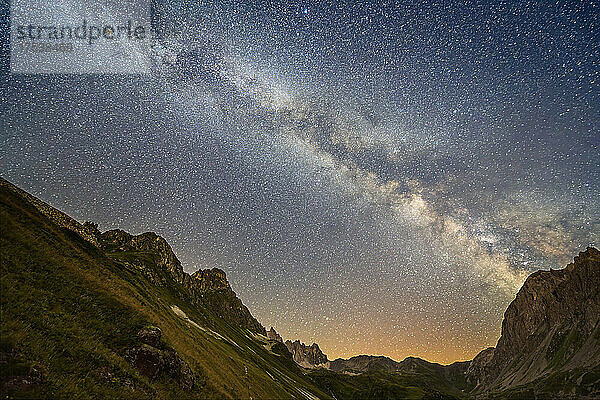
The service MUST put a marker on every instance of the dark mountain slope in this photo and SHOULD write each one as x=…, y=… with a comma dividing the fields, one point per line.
x=74, y=317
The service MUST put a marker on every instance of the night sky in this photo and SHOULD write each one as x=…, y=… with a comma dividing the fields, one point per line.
x=378, y=178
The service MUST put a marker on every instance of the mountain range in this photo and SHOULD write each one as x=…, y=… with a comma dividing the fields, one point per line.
x=91, y=314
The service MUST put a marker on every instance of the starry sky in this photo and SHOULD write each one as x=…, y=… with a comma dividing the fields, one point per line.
x=377, y=177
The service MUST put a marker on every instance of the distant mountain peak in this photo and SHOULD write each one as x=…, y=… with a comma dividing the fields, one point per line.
x=307, y=356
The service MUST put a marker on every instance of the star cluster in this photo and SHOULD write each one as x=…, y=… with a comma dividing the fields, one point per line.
x=377, y=177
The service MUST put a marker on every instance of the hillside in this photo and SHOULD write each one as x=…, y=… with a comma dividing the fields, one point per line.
x=121, y=319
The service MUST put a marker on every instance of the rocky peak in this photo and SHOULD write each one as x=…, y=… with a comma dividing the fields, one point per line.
x=119, y=240
x=273, y=335
x=307, y=356
x=207, y=288
x=210, y=279
x=551, y=297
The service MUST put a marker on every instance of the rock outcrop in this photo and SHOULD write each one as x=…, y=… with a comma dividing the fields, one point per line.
x=158, y=251
x=154, y=360
x=273, y=335
x=550, y=333
x=225, y=304
x=307, y=356
x=210, y=279
x=18, y=375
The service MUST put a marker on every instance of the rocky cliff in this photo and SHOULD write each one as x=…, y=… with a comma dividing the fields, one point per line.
x=477, y=368
x=163, y=266
x=550, y=338
x=210, y=279
x=307, y=356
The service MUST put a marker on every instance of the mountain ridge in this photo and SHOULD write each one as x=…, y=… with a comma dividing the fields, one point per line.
x=79, y=322
x=158, y=331
x=115, y=243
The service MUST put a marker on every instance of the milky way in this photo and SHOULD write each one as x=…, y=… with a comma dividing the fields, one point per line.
x=378, y=178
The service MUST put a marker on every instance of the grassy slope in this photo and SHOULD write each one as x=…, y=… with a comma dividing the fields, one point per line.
x=70, y=313
x=386, y=385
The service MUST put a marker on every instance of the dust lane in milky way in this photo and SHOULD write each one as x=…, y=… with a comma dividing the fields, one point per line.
x=378, y=178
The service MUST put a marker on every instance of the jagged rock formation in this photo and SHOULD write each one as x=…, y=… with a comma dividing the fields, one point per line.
x=210, y=279
x=121, y=244
x=273, y=335
x=550, y=339
x=307, y=356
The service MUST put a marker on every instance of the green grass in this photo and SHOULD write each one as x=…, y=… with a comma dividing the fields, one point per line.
x=385, y=385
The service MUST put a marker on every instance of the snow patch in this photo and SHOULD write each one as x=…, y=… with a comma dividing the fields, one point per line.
x=180, y=313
